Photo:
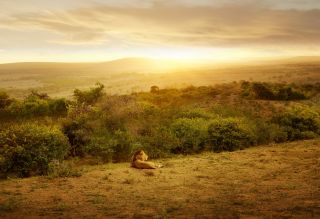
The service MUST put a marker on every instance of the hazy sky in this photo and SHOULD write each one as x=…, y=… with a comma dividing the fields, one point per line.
x=95, y=30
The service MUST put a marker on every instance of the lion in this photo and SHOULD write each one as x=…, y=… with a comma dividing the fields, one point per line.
x=139, y=161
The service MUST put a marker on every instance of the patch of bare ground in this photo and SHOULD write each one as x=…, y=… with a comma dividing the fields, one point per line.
x=274, y=181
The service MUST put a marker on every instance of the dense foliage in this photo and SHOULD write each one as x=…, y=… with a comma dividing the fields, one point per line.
x=4, y=100
x=109, y=128
x=191, y=133
x=89, y=96
x=299, y=123
x=34, y=105
x=229, y=134
x=27, y=149
x=277, y=91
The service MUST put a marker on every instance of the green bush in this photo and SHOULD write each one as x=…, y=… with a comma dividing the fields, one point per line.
x=88, y=133
x=192, y=134
x=299, y=122
x=274, y=91
x=101, y=145
x=78, y=132
x=107, y=147
x=229, y=134
x=34, y=106
x=58, y=106
x=158, y=142
x=267, y=132
x=289, y=93
x=4, y=100
x=90, y=96
x=28, y=108
x=263, y=91
x=195, y=113
x=29, y=148
x=122, y=145
x=37, y=107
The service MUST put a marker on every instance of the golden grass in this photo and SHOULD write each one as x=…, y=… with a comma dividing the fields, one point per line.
x=280, y=181
x=60, y=80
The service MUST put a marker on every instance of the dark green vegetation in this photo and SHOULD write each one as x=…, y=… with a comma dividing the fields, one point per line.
x=29, y=148
x=38, y=130
x=278, y=91
x=34, y=105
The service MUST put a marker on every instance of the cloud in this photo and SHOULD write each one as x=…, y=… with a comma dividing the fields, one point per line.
x=224, y=25
x=59, y=23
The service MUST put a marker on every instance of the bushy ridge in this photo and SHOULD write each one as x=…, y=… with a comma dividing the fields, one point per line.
x=34, y=105
x=279, y=91
x=109, y=128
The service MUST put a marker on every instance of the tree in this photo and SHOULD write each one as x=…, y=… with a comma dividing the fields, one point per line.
x=154, y=89
x=90, y=96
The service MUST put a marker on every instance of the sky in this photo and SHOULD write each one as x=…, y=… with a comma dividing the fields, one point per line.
x=100, y=30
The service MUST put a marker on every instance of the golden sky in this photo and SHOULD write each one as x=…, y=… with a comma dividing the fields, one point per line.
x=99, y=30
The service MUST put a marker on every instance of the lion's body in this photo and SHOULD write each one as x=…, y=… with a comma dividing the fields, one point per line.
x=139, y=161
x=143, y=165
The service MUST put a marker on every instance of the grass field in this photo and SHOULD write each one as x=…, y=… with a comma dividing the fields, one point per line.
x=271, y=181
x=134, y=75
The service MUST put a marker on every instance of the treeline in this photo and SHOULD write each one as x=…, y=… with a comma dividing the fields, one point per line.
x=279, y=91
x=163, y=122
x=34, y=105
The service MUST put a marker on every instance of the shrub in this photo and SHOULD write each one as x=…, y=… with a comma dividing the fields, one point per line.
x=146, y=109
x=274, y=91
x=289, y=93
x=158, y=142
x=154, y=89
x=28, y=149
x=262, y=91
x=195, y=113
x=58, y=106
x=122, y=145
x=90, y=96
x=78, y=133
x=192, y=134
x=15, y=108
x=100, y=145
x=88, y=132
x=4, y=100
x=224, y=110
x=37, y=95
x=299, y=122
x=28, y=107
x=267, y=132
x=33, y=106
x=116, y=147
x=229, y=134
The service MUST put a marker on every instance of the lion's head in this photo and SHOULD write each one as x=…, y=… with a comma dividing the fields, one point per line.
x=139, y=155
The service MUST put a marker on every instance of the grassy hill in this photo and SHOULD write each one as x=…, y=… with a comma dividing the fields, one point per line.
x=273, y=181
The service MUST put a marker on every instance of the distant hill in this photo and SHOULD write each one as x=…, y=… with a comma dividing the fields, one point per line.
x=126, y=65
x=141, y=65
x=137, y=74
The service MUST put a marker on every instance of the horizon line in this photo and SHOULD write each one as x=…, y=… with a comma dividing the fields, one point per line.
x=203, y=60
